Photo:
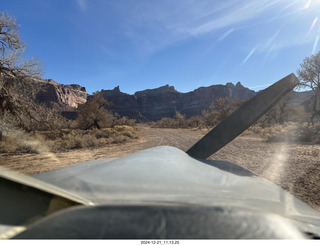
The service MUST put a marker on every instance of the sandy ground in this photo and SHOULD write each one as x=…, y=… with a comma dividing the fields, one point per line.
x=295, y=167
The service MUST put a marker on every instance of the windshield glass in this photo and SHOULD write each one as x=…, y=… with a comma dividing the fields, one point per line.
x=85, y=80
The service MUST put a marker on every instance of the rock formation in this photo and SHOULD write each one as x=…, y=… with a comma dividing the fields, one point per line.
x=48, y=93
x=54, y=94
x=165, y=101
x=146, y=105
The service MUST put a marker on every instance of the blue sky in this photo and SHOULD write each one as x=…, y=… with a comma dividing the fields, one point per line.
x=143, y=44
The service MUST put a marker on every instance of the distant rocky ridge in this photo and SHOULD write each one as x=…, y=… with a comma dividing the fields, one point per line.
x=146, y=105
x=165, y=101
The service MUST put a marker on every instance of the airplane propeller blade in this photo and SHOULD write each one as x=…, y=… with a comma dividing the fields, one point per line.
x=243, y=118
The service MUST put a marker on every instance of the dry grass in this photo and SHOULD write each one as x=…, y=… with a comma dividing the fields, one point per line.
x=289, y=132
x=65, y=139
x=20, y=142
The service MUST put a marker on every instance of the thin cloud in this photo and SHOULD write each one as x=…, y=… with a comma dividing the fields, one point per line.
x=228, y=16
x=151, y=26
x=271, y=44
x=261, y=86
x=226, y=34
x=235, y=15
x=249, y=55
x=278, y=41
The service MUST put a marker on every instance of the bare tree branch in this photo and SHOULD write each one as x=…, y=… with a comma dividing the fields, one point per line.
x=12, y=49
x=14, y=68
x=309, y=74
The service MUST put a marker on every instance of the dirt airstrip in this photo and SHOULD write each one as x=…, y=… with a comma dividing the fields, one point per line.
x=295, y=167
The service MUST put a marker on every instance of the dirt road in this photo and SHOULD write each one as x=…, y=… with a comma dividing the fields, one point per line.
x=295, y=167
x=31, y=164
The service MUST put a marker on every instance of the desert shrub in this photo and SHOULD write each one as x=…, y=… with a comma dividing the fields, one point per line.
x=306, y=134
x=101, y=133
x=166, y=122
x=19, y=141
x=123, y=121
x=195, y=122
x=78, y=143
x=97, y=137
x=219, y=109
x=8, y=145
x=289, y=132
x=310, y=152
x=120, y=139
x=179, y=121
x=126, y=131
x=66, y=139
x=315, y=153
x=310, y=133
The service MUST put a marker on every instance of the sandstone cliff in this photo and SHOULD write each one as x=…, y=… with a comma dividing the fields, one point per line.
x=48, y=93
x=154, y=104
x=53, y=94
x=149, y=104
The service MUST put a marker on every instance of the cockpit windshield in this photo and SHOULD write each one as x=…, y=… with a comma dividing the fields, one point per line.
x=86, y=83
